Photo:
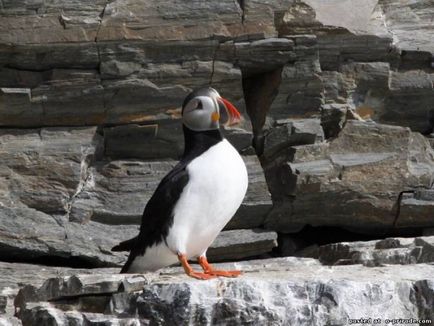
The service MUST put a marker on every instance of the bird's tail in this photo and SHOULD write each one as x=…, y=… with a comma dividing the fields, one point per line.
x=126, y=245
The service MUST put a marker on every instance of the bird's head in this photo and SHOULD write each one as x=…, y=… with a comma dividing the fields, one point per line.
x=204, y=109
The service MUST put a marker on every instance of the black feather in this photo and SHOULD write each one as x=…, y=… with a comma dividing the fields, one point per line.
x=157, y=217
x=126, y=245
x=205, y=91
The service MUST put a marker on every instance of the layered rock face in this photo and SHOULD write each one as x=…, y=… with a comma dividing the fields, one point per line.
x=117, y=62
x=354, y=179
x=285, y=291
x=334, y=97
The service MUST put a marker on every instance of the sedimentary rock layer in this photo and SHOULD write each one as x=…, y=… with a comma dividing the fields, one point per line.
x=282, y=291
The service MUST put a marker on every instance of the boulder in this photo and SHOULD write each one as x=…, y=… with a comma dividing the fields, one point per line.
x=354, y=181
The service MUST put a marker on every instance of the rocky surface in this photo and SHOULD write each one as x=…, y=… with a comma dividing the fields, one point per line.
x=402, y=251
x=29, y=235
x=290, y=291
x=113, y=57
x=16, y=275
x=396, y=272
x=360, y=174
x=333, y=97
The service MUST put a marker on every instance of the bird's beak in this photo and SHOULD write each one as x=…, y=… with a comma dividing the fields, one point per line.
x=234, y=116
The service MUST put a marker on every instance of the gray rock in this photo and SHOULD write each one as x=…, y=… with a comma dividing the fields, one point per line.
x=402, y=251
x=113, y=63
x=51, y=22
x=414, y=208
x=358, y=174
x=164, y=140
x=44, y=314
x=32, y=235
x=17, y=275
x=409, y=89
x=300, y=92
x=10, y=321
x=40, y=58
x=291, y=132
x=45, y=168
x=368, y=76
x=117, y=57
x=404, y=22
x=117, y=191
x=241, y=244
x=264, y=55
x=293, y=286
x=374, y=91
x=340, y=37
x=333, y=118
x=337, y=89
x=14, y=101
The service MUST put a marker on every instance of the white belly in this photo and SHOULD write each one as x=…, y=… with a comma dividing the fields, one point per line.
x=155, y=257
x=216, y=187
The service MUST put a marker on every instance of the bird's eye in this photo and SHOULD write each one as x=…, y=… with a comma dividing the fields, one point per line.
x=199, y=105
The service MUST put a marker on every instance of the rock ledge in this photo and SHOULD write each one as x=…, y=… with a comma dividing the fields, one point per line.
x=284, y=291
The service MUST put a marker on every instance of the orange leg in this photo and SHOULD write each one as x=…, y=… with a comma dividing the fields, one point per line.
x=189, y=270
x=208, y=269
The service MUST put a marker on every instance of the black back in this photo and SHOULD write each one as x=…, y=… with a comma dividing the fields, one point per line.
x=157, y=217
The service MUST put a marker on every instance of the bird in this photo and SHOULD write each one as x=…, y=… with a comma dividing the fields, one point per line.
x=197, y=198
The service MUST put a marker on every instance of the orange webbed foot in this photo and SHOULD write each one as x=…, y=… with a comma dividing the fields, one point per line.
x=190, y=272
x=201, y=276
x=223, y=273
x=208, y=269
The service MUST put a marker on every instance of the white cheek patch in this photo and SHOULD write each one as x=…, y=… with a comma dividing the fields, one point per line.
x=200, y=119
x=208, y=104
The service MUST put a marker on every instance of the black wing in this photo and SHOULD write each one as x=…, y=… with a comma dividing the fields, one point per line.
x=125, y=245
x=157, y=217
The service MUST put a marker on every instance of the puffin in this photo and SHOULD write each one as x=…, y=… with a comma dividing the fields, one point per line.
x=197, y=198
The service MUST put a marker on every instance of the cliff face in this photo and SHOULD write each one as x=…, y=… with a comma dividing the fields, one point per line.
x=333, y=94
x=117, y=62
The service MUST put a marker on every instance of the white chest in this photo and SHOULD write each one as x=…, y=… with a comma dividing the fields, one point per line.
x=217, y=185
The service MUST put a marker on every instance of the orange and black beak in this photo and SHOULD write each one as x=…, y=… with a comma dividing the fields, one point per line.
x=229, y=116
